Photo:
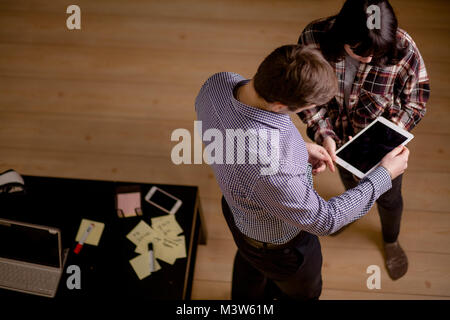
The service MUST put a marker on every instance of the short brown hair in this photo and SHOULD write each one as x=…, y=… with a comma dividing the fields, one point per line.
x=295, y=76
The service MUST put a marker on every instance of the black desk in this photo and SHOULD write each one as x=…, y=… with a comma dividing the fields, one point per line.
x=105, y=269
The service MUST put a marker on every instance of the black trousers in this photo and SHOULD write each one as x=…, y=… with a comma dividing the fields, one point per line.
x=390, y=205
x=289, y=271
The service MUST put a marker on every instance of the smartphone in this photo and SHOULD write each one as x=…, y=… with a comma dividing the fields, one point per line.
x=163, y=200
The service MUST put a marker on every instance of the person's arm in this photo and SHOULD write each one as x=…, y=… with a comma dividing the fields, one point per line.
x=319, y=158
x=294, y=200
x=412, y=90
x=292, y=197
x=318, y=124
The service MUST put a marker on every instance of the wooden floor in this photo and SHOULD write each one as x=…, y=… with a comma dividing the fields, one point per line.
x=102, y=103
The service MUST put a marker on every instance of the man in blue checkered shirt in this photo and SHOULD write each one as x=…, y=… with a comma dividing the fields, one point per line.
x=272, y=209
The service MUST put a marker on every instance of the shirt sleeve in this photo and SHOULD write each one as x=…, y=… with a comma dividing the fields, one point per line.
x=413, y=92
x=294, y=200
x=318, y=124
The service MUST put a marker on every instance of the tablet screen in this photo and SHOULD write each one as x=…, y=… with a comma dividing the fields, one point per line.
x=371, y=146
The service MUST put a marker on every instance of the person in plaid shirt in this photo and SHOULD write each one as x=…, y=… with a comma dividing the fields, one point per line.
x=380, y=72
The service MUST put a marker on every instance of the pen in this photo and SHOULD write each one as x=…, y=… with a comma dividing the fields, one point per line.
x=150, y=253
x=83, y=238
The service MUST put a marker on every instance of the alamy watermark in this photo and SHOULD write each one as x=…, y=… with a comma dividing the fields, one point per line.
x=74, y=280
x=251, y=146
x=373, y=281
x=374, y=20
x=74, y=20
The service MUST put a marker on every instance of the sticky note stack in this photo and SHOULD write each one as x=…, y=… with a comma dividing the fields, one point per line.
x=94, y=236
x=168, y=245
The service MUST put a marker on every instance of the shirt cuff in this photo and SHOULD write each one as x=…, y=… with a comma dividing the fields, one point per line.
x=381, y=179
x=321, y=134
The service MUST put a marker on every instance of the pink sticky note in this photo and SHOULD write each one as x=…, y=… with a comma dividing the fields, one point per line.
x=128, y=202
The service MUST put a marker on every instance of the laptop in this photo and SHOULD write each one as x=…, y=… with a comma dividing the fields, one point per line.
x=31, y=258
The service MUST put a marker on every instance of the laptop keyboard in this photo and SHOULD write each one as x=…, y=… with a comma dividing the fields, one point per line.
x=28, y=278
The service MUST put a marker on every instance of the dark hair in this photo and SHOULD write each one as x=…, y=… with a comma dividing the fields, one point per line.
x=295, y=76
x=350, y=27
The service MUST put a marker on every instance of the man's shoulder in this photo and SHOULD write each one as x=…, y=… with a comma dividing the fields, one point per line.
x=219, y=85
x=223, y=79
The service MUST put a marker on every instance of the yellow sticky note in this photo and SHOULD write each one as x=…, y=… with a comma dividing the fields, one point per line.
x=95, y=234
x=167, y=225
x=141, y=231
x=169, y=250
x=141, y=265
x=181, y=247
x=154, y=238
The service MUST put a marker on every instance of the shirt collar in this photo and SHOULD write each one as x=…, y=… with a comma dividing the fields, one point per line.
x=276, y=120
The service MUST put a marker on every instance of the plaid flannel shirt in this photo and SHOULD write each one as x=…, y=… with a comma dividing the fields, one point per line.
x=398, y=93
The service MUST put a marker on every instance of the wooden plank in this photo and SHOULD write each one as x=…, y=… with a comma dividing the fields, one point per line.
x=420, y=231
x=214, y=261
x=132, y=65
x=422, y=191
x=139, y=64
x=332, y=294
x=134, y=168
x=199, y=32
x=429, y=153
x=435, y=118
x=150, y=101
x=143, y=101
x=220, y=290
x=289, y=10
x=215, y=222
x=266, y=10
x=101, y=30
x=427, y=191
x=92, y=135
x=343, y=268
x=211, y=290
x=346, y=268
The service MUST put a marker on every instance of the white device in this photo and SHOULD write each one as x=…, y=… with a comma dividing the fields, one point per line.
x=31, y=258
x=364, y=152
x=163, y=200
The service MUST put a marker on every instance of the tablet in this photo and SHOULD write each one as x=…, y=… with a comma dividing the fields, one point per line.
x=365, y=151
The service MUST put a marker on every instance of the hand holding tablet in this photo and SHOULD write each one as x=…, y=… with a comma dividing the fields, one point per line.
x=396, y=161
x=362, y=154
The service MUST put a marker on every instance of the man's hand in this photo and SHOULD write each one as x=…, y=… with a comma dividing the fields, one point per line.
x=396, y=161
x=319, y=158
x=330, y=145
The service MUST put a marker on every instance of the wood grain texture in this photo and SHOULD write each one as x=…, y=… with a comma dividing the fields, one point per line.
x=101, y=103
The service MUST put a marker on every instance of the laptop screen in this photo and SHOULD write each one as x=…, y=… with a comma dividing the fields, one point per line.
x=29, y=244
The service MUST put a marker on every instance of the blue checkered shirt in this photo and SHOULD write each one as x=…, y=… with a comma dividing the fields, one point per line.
x=275, y=207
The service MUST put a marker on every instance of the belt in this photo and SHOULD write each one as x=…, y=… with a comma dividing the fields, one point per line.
x=260, y=245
